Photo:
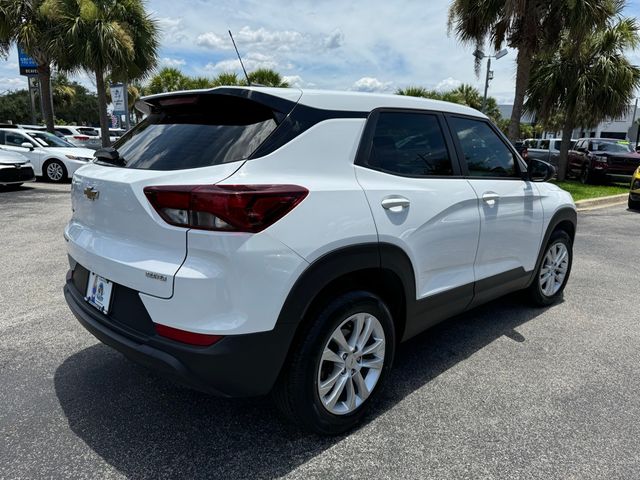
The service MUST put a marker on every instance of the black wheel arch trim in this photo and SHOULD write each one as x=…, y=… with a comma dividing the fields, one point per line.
x=565, y=214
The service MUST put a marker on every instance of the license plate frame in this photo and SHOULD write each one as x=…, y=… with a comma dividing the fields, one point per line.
x=99, y=292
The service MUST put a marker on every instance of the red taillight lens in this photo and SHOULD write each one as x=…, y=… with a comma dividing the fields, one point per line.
x=80, y=137
x=183, y=336
x=231, y=208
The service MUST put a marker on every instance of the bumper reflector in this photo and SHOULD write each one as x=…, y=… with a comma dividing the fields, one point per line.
x=182, y=336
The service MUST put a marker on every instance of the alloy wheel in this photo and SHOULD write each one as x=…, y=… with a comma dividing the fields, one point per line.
x=55, y=172
x=351, y=363
x=554, y=269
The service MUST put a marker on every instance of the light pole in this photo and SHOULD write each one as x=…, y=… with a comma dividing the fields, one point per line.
x=479, y=54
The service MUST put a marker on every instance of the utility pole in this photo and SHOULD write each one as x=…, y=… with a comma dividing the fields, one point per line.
x=486, y=84
x=479, y=54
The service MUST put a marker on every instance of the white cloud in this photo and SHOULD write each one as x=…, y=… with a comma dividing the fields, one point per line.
x=172, y=62
x=12, y=83
x=370, y=84
x=335, y=40
x=214, y=41
x=248, y=38
x=252, y=61
x=448, y=84
x=172, y=29
x=296, y=81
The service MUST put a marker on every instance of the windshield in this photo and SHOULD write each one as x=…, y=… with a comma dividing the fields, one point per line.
x=613, y=147
x=48, y=140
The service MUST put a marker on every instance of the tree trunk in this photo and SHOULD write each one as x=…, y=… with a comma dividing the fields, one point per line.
x=44, y=79
x=102, y=107
x=522, y=80
x=567, y=130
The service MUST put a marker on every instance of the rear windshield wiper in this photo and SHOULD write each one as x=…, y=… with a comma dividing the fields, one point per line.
x=111, y=156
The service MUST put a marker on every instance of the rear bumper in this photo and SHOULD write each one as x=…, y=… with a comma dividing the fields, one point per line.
x=236, y=366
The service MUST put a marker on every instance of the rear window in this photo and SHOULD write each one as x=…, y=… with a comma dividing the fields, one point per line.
x=91, y=132
x=197, y=131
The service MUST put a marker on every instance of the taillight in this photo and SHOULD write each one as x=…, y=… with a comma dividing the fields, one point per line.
x=182, y=336
x=80, y=137
x=230, y=208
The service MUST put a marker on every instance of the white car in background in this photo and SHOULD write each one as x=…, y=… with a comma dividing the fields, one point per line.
x=53, y=158
x=87, y=137
x=15, y=169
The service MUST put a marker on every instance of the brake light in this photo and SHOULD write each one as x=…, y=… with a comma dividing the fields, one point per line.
x=80, y=137
x=230, y=208
x=182, y=336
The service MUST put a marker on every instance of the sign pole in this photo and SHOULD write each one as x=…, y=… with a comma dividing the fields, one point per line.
x=32, y=98
x=127, y=121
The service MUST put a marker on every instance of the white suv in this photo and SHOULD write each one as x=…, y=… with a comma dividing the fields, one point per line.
x=253, y=240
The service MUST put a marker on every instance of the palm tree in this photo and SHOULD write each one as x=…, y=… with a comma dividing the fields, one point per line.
x=168, y=79
x=226, y=78
x=114, y=37
x=531, y=26
x=267, y=77
x=585, y=84
x=414, y=91
x=24, y=23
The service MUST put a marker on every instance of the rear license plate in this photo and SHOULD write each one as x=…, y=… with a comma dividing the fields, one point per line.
x=99, y=292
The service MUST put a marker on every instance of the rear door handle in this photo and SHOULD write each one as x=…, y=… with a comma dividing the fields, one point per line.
x=395, y=204
x=490, y=198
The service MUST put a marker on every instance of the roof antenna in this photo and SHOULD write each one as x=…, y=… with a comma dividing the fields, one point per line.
x=239, y=58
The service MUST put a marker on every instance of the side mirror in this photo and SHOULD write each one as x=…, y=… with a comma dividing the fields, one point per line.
x=539, y=171
x=28, y=145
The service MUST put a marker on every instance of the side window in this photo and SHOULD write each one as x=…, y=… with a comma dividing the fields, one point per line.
x=485, y=153
x=14, y=139
x=544, y=144
x=64, y=131
x=409, y=144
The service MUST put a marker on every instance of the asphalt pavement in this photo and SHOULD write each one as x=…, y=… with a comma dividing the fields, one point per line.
x=503, y=391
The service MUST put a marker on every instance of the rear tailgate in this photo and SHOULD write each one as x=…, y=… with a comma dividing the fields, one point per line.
x=116, y=233
x=188, y=138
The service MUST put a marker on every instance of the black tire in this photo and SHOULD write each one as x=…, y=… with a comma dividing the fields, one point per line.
x=296, y=392
x=535, y=290
x=54, y=165
x=633, y=204
x=586, y=177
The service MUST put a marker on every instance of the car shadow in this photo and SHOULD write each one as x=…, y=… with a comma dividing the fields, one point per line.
x=147, y=427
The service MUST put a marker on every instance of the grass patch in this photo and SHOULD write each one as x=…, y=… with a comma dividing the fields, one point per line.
x=581, y=192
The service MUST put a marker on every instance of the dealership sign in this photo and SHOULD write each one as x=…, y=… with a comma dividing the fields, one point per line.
x=28, y=65
x=118, y=98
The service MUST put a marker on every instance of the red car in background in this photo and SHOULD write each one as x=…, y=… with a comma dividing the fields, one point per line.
x=595, y=160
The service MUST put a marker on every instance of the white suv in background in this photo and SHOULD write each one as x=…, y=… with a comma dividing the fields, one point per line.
x=87, y=137
x=251, y=240
x=52, y=157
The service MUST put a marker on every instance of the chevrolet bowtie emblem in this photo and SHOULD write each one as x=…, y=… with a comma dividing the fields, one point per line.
x=91, y=193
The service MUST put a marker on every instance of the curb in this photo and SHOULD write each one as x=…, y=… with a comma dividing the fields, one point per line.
x=601, y=202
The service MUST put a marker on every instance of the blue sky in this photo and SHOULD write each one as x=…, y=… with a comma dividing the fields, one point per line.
x=372, y=45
